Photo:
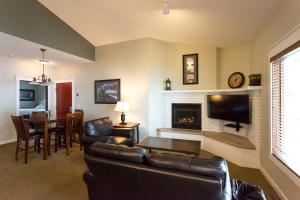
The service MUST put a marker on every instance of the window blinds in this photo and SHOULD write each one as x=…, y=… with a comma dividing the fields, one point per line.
x=285, y=72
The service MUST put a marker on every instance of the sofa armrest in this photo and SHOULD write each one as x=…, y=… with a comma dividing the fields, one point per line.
x=90, y=181
x=242, y=190
x=123, y=132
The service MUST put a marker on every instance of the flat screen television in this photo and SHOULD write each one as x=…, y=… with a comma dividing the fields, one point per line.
x=235, y=108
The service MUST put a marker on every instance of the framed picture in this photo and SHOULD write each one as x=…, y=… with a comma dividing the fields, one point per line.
x=190, y=69
x=107, y=91
x=27, y=95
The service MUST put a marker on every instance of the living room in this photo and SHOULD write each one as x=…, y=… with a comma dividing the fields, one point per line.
x=142, y=47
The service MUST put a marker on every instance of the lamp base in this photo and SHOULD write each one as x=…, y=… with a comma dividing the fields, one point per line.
x=123, y=119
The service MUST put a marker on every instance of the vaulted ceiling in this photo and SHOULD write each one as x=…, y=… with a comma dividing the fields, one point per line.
x=209, y=22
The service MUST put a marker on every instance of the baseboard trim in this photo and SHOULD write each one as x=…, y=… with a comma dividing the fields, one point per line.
x=7, y=141
x=273, y=184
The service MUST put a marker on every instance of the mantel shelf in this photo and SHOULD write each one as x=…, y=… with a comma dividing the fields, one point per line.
x=213, y=90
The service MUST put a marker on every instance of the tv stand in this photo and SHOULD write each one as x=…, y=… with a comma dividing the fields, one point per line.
x=237, y=126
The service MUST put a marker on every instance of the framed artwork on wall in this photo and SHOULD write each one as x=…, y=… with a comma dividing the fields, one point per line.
x=107, y=91
x=27, y=95
x=190, y=69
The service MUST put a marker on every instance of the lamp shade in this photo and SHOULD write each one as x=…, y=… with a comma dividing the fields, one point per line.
x=122, y=106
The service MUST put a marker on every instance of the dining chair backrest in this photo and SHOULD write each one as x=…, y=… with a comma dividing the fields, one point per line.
x=21, y=127
x=39, y=115
x=75, y=121
x=79, y=110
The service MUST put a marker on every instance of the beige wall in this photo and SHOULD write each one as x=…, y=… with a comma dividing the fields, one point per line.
x=137, y=63
x=207, y=61
x=235, y=59
x=9, y=69
x=281, y=23
x=142, y=65
x=158, y=63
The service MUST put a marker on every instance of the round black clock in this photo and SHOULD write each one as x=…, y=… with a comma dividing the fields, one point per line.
x=236, y=80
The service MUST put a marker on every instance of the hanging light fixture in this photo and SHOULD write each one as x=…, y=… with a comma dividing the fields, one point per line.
x=166, y=9
x=42, y=80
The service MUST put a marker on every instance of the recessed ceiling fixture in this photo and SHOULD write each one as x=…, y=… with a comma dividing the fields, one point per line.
x=42, y=80
x=166, y=9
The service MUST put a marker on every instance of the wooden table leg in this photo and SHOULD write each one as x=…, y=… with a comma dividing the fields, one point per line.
x=45, y=150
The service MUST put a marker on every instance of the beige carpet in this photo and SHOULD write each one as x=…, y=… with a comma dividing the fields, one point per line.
x=60, y=177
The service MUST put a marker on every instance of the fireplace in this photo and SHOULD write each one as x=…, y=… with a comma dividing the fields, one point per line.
x=186, y=115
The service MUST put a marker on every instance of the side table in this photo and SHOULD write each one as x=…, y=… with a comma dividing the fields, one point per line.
x=130, y=125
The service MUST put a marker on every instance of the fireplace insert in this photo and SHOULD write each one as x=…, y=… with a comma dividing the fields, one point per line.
x=186, y=115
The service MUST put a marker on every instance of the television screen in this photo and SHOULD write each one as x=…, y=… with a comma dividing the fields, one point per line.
x=234, y=108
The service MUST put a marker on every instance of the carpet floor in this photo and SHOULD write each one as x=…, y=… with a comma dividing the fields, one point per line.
x=60, y=177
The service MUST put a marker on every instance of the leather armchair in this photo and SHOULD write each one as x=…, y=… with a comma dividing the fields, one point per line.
x=101, y=130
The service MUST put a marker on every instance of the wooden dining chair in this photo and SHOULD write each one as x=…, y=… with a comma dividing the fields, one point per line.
x=78, y=110
x=44, y=115
x=39, y=115
x=73, y=128
x=76, y=127
x=24, y=135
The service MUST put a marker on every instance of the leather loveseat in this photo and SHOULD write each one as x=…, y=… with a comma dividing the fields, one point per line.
x=120, y=172
x=102, y=130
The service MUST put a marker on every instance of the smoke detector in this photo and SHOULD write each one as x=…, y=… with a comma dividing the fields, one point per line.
x=166, y=9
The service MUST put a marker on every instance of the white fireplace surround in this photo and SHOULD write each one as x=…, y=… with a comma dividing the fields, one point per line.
x=251, y=131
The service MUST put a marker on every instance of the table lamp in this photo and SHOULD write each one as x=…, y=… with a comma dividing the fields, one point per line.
x=122, y=106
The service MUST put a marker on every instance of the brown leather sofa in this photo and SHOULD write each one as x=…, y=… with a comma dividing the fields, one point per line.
x=120, y=172
x=102, y=130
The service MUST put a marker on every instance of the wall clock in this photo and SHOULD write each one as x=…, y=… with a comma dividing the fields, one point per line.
x=236, y=80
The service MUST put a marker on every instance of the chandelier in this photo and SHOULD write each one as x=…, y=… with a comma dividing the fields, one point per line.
x=42, y=80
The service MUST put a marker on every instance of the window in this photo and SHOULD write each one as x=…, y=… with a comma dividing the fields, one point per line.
x=285, y=100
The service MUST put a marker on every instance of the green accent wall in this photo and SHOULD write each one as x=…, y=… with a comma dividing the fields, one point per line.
x=30, y=20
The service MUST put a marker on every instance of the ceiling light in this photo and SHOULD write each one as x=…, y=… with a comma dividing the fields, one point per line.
x=45, y=62
x=166, y=9
x=42, y=80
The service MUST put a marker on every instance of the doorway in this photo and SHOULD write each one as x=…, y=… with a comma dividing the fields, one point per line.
x=30, y=98
x=64, y=99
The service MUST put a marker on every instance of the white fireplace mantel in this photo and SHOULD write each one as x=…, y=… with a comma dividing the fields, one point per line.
x=250, y=88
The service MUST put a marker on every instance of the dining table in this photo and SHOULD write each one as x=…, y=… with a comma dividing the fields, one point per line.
x=46, y=124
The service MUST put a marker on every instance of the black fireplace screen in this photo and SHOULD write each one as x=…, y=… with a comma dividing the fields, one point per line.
x=186, y=116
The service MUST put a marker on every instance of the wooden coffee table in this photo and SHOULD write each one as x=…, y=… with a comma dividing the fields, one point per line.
x=175, y=145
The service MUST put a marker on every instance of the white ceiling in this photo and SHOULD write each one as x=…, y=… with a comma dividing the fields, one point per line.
x=210, y=22
x=21, y=49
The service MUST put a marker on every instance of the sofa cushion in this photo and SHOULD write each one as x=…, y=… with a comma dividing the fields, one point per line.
x=119, y=152
x=215, y=167
x=120, y=140
x=98, y=127
x=92, y=139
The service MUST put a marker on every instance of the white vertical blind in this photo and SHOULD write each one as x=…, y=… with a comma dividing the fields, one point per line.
x=286, y=110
